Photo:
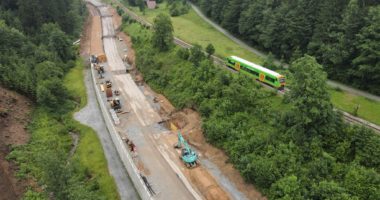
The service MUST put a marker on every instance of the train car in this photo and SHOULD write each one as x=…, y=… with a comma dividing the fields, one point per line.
x=260, y=73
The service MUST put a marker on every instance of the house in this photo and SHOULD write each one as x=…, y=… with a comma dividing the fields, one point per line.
x=151, y=4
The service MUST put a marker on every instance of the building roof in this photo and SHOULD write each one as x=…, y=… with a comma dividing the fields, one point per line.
x=151, y=4
x=268, y=71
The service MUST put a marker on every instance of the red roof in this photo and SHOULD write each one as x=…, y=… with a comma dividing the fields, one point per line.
x=151, y=4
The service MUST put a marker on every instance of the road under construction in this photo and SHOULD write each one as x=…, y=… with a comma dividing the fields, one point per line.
x=144, y=144
x=137, y=131
x=220, y=62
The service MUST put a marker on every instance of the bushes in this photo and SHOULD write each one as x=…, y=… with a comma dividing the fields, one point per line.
x=261, y=136
x=177, y=8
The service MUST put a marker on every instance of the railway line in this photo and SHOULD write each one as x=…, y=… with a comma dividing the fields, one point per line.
x=348, y=117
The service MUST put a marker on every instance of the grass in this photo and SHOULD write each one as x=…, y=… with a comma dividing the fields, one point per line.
x=49, y=133
x=193, y=29
x=368, y=110
x=74, y=82
x=89, y=151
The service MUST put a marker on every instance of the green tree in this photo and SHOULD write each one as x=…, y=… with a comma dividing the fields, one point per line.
x=330, y=190
x=313, y=112
x=196, y=54
x=141, y=4
x=231, y=15
x=210, y=50
x=363, y=183
x=51, y=93
x=286, y=188
x=47, y=70
x=56, y=41
x=269, y=62
x=367, y=62
x=163, y=32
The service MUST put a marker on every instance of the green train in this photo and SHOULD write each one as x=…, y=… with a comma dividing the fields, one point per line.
x=260, y=73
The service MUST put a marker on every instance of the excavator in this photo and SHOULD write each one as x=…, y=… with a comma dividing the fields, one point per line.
x=188, y=156
x=116, y=105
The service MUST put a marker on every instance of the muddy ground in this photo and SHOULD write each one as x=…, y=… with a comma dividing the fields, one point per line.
x=14, y=116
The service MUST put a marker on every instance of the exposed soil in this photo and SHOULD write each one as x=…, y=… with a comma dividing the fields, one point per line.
x=91, y=41
x=14, y=116
x=189, y=122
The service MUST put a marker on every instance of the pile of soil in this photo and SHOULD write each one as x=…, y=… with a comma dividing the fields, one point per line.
x=14, y=117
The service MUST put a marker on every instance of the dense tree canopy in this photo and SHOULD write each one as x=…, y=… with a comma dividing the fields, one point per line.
x=163, y=32
x=36, y=46
x=296, y=150
x=342, y=34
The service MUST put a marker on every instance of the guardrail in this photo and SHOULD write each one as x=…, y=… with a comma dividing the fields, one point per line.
x=123, y=153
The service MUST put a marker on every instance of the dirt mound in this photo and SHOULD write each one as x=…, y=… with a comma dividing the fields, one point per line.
x=14, y=116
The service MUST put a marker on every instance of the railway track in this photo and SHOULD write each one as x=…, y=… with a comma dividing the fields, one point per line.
x=348, y=117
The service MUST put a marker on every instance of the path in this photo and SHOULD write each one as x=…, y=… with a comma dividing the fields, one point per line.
x=92, y=117
x=261, y=54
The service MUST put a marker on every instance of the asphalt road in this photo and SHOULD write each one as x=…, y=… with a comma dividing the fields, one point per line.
x=92, y=117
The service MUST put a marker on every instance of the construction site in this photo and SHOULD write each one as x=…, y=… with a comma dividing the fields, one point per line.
x=162, y=149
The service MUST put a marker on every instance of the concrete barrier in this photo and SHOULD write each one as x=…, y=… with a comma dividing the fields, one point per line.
x=124, y=154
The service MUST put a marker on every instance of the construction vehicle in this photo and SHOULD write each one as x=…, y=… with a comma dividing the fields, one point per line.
x=109, y=93
x=116, y=105
x=100, y=70
x=108, y=84
x=188, y=155
x=93, y=59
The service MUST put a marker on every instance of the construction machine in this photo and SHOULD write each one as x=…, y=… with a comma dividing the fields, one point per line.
x=116, y=105
x=108, y=84
x=188, y=155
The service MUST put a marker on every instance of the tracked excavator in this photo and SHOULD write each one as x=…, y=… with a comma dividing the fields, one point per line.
x=188, y=155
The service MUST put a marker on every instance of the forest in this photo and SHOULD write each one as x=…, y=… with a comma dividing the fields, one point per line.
x=296, y=147
x=36, y=54
x=343, y=35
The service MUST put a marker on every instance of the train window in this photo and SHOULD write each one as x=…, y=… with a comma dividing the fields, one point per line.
x=270, y=79
x=282, y=80
x=252, y=72
x=231, y=62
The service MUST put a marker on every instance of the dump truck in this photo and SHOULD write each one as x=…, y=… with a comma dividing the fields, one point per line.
x=109, y=92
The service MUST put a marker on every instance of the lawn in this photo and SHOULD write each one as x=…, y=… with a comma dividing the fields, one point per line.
x=368, y=110
x=193, y=29
x=89, y=151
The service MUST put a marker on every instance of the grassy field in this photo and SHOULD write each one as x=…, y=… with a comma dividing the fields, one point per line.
x=368, y=110
x=193, y=29
x=89, y=151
